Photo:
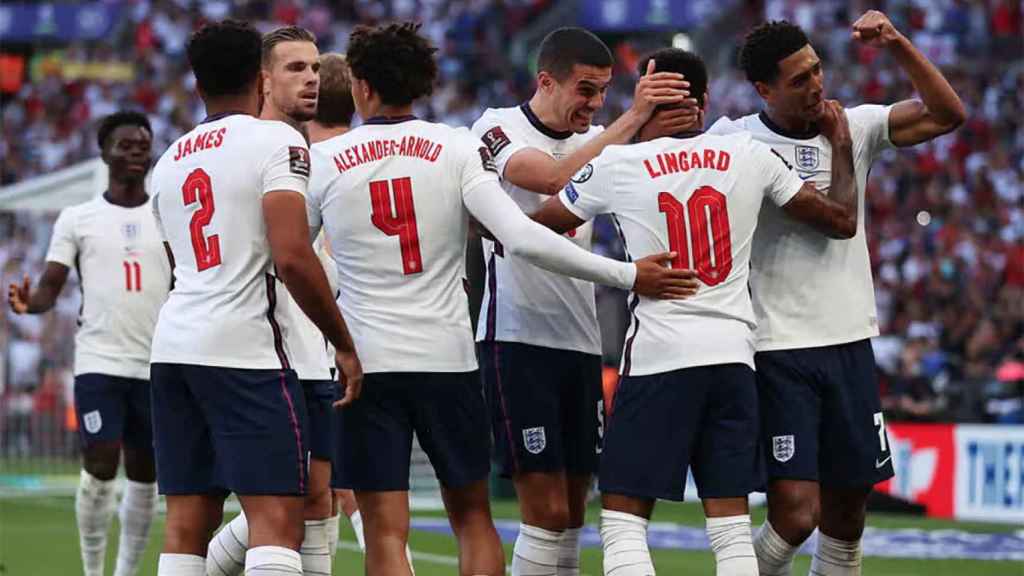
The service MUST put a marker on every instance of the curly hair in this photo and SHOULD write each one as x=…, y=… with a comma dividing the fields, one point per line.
x=117, y=119
x=395, y=60
x=225, y=57
x=682, y=62
x=768, y=44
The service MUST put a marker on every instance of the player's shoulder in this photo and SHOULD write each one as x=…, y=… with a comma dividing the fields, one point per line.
x=867, y=114
x=491, y=115
x=76, y=211
x=726, y=125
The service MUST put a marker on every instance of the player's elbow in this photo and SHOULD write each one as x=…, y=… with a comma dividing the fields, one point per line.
x=843, y=228
x=288, y=264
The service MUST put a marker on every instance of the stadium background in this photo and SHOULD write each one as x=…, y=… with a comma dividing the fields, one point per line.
x=946, y=221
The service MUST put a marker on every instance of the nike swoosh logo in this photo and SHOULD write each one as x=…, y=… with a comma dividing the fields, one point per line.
x=882, y=463
x=802, y=177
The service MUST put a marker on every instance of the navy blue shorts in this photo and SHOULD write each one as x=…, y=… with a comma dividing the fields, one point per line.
x=545, y=405
x=821, y=415
x=320, y=397
x=703, y=417
x=445, y=410
x=113, y=409
x=221, y=430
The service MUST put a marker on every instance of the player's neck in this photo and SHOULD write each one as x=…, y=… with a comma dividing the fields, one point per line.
x=318, y=132
x=126, y=193
x=790, y=126
x=240, y=104
x=545, y=112
x=388, y=112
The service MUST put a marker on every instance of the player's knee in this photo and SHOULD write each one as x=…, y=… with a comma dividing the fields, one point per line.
x=551, y=514
x=795, y=519
x=319, y=504
x=101, y=460
x=187, y=536
x=139, y=465
x=277, y=526
x=843, y=518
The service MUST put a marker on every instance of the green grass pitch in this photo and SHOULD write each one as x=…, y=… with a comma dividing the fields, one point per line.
x=38, y=538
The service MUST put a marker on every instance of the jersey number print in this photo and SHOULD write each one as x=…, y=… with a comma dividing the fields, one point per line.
x=707, y=213
x=398, y=221
x=198, y=188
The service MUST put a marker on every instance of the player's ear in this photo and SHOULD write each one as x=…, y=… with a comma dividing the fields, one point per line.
x=763, y=90
x=264, y=81
x=545, y=81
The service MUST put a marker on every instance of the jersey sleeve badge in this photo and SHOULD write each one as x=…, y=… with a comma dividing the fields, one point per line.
x=487, y=159
x=298, y=160
x=496, y=140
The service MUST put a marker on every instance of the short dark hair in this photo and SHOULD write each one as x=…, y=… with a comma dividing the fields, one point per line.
x=395, y=60
x=284, y=34
x=117, y=119
x=682, y=62
x=767, y=45
x=225, y=57
x=334, y=106
x=565, y=47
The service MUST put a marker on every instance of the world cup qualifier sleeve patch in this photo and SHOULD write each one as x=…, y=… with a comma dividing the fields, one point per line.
x=496, y=140
x=298, y=160
x=487, y=160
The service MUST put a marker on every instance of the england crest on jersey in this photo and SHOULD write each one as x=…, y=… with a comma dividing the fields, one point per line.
x=783, y=447
x=535, y=440
x=807, y=157
x=130, y=231
x=92, y=421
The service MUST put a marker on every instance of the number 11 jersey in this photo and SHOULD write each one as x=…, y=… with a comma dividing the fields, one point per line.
x=227, y=307
x=700, y=197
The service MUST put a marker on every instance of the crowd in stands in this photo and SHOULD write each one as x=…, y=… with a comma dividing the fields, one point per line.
x=945, y=220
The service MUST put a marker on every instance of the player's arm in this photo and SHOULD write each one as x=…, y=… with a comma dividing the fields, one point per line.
x=554, y=216
x=939, y=111
x=835, y=215
x=284, y=212
x=534, y=170
x=23, y=300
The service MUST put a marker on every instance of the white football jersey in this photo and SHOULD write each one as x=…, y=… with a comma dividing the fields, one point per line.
x=389, y=196
x=124, y=274
x=699, y=197
x=521, y=302
x=810, y=290
x=312, y=355
x=226, y=306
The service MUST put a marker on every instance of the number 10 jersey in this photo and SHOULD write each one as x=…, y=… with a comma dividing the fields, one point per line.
x=226, y=307
x=699, y=197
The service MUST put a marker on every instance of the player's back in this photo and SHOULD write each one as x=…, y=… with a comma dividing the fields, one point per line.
x=225, y=308
x=697, y=196
x=390, y=198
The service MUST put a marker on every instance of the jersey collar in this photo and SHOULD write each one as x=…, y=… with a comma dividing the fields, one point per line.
x=390, y=119
x=806, y=135
x=687, y=134
x=221, y=116
x=540, y=126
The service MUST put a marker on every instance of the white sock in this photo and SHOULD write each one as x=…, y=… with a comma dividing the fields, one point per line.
x=316, y=554
x=272, y=561
x=834, y=557
x=569, y=553
x=624, y=537
x=731, y=542
x=181, y=565
x=332, y=533
x=408, y=558
x=356, y=519
x=225, y=556
x=774, y=554
x=93, y=511
x=535, y=552
x=138, y=505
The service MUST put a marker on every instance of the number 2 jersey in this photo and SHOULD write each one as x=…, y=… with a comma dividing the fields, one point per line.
x=124, y=274
x=226, y=306
x=697, y=196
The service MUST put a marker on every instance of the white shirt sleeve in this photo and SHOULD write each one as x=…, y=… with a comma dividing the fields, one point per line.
x=869, y=125
x=591, y=191
x=319, y=180
x=501, y=138
x=781, y=182
x=287, y=166
x=64, y=244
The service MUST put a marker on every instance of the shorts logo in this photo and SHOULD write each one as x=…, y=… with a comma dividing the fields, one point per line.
x=535, y=440
x=92, y=421
x=783, y=447
x=298, y=160
x=496, y=140
x=806, y=157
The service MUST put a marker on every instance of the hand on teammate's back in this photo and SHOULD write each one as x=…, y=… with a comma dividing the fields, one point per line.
x=350, y=377
x=655, y=279
x=659, y=88
x=17, y=296
x=833, y=123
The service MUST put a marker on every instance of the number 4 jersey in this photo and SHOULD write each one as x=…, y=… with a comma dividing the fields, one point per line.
x=699, y=197
x=226, y=306
x=123, y=270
